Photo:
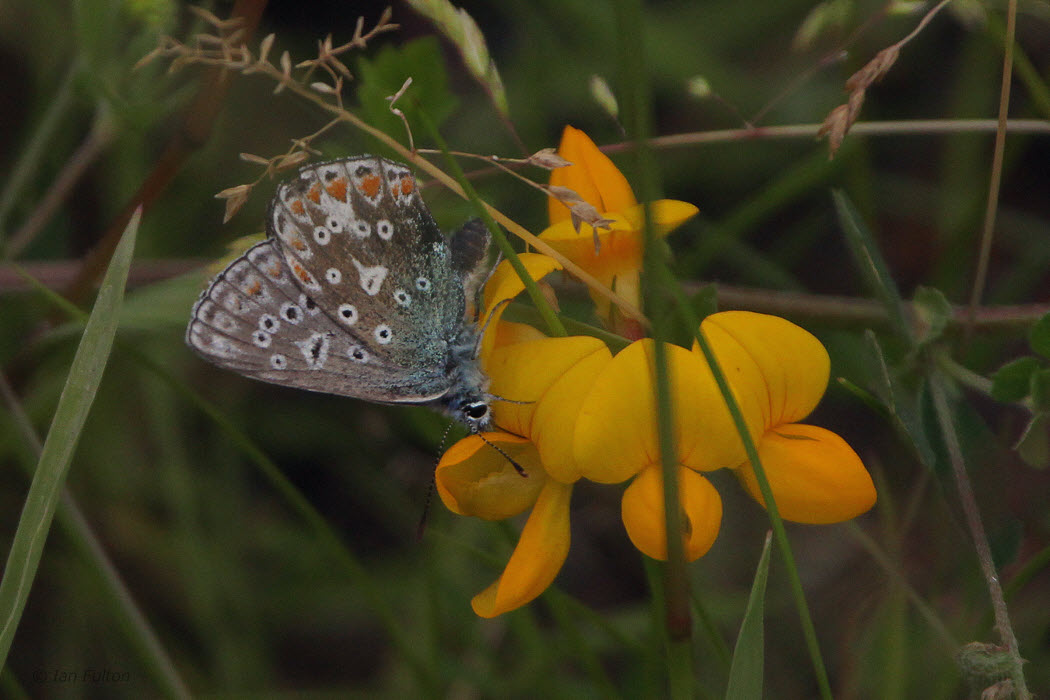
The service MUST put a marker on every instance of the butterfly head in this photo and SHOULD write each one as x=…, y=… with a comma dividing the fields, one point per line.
x=475, y=413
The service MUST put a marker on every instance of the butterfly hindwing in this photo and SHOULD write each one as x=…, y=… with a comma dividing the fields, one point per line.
x=254, y=319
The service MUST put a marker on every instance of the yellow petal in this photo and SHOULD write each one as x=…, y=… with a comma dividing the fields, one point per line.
x=617, y=259
x=620, y=244
x=816, y=477
x=616, y=429
x=794, y=365
x=505, y=285
x=592, y=176
x=643, y=513
x=668, y=214
x=472, y=478
x=523, y=372
x=554, y=422
x=541, y=550
x=509, y=333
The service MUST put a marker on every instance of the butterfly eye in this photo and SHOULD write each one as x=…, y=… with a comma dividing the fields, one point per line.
x=476, y=411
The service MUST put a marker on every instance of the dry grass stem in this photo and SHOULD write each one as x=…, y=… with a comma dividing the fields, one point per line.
x=839, y=120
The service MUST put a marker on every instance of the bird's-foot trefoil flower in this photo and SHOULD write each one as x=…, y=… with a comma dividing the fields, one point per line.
x=611, y=248
x=573, y=410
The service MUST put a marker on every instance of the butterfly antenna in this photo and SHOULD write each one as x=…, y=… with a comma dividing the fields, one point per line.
x=421, y=528
x=520, y=469
x=504, y=399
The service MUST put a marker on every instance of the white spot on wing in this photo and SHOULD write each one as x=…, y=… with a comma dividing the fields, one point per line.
x=315, y=350
x=269, y=323
x=371, y=278
x=291, y=313
x=348, y=314
x=309, y=304
x=385, y=229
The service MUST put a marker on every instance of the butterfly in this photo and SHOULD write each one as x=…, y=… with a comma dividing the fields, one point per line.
x=355, y=292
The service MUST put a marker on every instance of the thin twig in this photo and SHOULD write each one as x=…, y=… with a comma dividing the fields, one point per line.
x=95, y=143
x=995, y=181
x=903, y=127
x=30, y=158
x=196, y=126
x=972, y=515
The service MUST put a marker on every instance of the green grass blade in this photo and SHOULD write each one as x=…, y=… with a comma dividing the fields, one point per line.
x=85, y=374
x=871, y=263
x=745, y=675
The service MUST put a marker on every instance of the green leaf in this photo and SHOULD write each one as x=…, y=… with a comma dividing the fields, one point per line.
x=1034, y=445
x=1013, y=381
x=884, y=386
x=1039, y=336
x=868, y=258
x=901, y=396
x=933, y=311
x=745, y=673
x=85, y=374
x=1039, y=387
x=705, y=301
x=866, y=397
x=382, y=76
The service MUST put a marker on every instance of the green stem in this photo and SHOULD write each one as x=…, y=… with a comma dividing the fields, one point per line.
x=777, y=523
x=635, y=79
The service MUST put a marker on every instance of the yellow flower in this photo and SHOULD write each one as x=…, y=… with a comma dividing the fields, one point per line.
x=778, y=373
x=538, y=376
x=615, y=439
x=570, y=410
x=814, y=475
x=474, y=479
x=617, y=260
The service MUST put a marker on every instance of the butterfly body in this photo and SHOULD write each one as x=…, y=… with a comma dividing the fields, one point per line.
x=355, y=292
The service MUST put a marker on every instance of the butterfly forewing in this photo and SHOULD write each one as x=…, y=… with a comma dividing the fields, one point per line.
x=355, y=292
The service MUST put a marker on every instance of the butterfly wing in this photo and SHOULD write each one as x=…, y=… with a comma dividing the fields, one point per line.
x=354, y=293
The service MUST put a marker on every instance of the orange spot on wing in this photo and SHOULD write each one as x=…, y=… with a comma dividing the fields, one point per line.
x=302, y=274
x=275, y=271
x=297, y=207
x=370, y=186
x=254, y=288
x=297, y=243
x=407, y=185
x=337, y=188
x=314, y=193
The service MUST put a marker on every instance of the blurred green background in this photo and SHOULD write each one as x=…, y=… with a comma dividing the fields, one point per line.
x=246, y=596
